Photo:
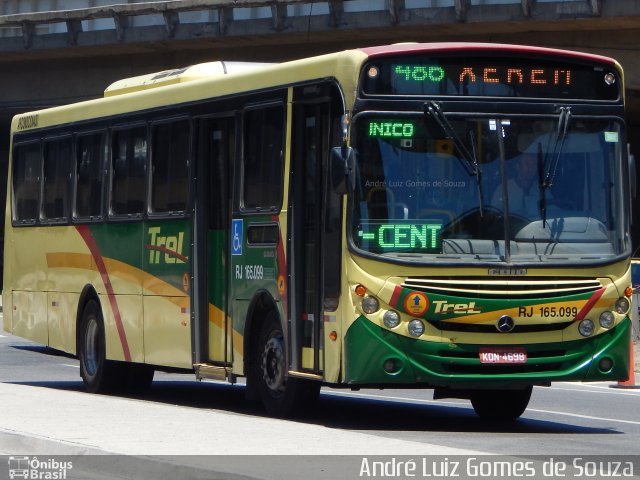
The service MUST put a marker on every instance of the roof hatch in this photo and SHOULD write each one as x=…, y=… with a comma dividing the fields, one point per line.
x=179, y=75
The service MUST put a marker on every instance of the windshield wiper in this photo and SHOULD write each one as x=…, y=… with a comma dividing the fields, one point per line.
x=469, y=158
x=561, y=135
x=542, y=200
x=433, y=110
x=546, y=179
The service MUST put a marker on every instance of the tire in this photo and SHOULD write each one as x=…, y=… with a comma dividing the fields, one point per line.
x=502, y=405
x=138, y=377
x=281, y=395
x=99, y=375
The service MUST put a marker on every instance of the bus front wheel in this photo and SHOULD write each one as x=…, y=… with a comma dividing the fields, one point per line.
x=280, y=394
x=501, y=404
x=98, y=373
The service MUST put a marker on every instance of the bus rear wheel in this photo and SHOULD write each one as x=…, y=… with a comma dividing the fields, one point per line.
x=280, y=394
x=501, y=404
x=98, y=374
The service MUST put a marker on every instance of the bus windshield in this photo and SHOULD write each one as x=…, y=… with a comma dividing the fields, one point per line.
x=521, y=189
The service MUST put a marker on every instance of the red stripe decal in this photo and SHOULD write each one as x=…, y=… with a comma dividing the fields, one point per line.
x=85, y=233
x=589, y=305
x=396, y=296
x=168, y=252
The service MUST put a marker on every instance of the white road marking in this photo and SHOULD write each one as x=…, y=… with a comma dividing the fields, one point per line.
x=618, y=420
x=601, y=390
x=72, y=366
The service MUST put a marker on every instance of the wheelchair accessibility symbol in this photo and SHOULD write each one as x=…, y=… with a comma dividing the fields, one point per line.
x=236, y=236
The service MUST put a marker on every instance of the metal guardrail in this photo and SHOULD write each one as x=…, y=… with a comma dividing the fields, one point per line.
x=120, y=13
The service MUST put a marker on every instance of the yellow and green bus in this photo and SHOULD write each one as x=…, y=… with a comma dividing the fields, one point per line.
x=447, y=216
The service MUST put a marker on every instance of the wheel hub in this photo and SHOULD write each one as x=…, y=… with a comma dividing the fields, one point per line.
x=273, y=365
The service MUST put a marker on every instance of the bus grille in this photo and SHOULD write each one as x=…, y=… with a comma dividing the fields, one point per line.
x=475, y=328
x=511, y=288
x=502, y=369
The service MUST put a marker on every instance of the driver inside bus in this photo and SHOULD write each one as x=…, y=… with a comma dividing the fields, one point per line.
x=523, y=188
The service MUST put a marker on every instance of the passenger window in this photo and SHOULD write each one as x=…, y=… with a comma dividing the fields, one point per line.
x=57, y=173
x=27, y=170
x=129, y=155
x=263, y=158
x=170, y=167
x=91, y=150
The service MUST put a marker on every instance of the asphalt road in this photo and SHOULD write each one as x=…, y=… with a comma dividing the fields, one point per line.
x=565, y=419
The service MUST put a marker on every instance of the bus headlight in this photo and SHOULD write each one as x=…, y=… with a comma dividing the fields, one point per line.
x=586, y=327
x=607, y=319
x=416, y=327
x=391, y=319
x=370, y=304
x=622, y=305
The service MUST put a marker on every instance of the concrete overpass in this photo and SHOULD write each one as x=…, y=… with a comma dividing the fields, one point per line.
x=60, y=51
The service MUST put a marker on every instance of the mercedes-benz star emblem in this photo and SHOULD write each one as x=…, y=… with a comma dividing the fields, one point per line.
x=505, y=324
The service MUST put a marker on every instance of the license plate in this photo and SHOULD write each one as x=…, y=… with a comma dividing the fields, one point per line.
x=503, y=355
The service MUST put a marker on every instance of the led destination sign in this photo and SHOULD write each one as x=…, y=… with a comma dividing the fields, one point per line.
x=422, y=236
x=487, y=75
x=494, y=76
x=390, y=129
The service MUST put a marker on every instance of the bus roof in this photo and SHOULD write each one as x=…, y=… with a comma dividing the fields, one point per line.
x=218, y=79
x=440, y=47
x=179, y=75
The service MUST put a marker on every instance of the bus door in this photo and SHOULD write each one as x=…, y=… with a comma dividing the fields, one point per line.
x=307, y=245
x=216, y=146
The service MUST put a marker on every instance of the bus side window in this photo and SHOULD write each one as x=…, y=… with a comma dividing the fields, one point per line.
x=91, y=150
x=263, y=158
x=56, y=176
x=27, y=170
x=129, y=154
x=170, y=167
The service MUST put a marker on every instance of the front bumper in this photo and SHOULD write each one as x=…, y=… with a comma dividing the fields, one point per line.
x=370, y=348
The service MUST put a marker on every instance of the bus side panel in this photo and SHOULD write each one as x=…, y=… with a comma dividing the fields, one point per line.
x=69, y=267
x=167, y=336
x=7, y=305
x=30, y=316
x=166, y=287
x=125, y=310
x=240, y=311
x=120, y=246
x=28, y=282
x=62, y=308
x=118, y=251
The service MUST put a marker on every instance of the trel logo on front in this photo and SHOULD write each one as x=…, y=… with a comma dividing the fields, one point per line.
x=442, y=307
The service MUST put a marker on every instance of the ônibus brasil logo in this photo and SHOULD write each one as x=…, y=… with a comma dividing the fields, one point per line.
x=35, y=469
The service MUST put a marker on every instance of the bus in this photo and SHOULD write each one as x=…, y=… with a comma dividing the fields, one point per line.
x=446, y=216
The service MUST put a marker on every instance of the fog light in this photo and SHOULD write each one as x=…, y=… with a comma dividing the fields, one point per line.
x=391, y=319
x=622, y=305
x=389, y=365
x=586, y=327
x=370, y=304
x=607, y=319
x=605, y=365
x=416, y=327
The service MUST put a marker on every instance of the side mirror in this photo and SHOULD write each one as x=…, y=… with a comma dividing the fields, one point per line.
x=341, y=169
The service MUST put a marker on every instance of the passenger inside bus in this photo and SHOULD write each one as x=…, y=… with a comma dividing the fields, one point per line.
x=523, y=188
